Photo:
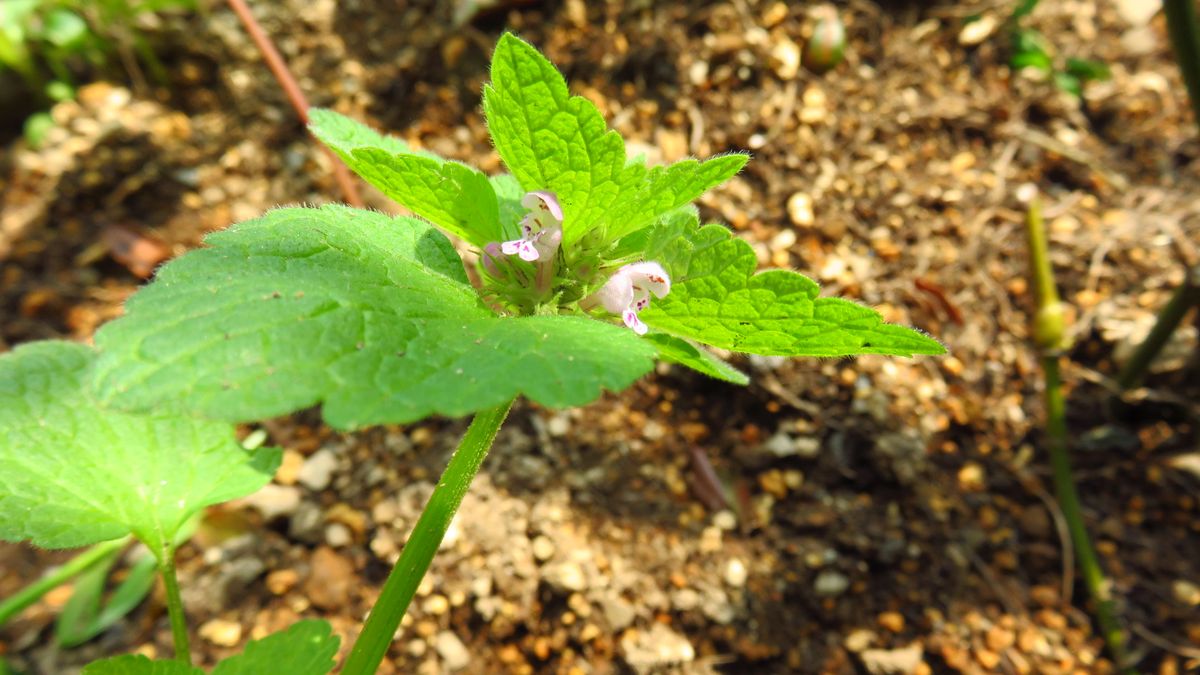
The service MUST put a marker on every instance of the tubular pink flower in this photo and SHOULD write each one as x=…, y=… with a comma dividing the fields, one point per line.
x=541, y=228
x=627, y=292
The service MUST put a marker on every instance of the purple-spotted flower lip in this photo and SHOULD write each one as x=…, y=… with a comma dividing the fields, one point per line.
x=541, y=228
x=627, y=292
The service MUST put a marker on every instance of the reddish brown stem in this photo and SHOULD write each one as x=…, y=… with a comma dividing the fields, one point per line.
x=296, y=97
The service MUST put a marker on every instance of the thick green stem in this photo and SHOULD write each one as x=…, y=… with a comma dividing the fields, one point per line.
x=1185, y=297
x=1049, y=333
x=1068, y=499
x=1185, y=40
x=15, y=604
x=179, y=630
x=401, y=584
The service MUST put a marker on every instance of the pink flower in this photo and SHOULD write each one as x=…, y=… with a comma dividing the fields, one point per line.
x=627, y=292
x=541, y=228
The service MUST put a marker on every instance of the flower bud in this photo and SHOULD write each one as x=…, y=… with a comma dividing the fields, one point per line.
x=1050, y=327
x=490, y=254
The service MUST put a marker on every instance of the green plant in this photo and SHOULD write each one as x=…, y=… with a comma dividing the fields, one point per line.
x=591, y=267
x=1029, y=48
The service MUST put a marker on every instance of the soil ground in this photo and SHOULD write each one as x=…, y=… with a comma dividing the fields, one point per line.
x=885, y=515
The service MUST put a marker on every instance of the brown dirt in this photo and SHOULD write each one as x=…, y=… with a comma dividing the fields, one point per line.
x=878, y=505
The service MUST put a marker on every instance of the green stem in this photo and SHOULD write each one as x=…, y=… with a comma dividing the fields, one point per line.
x=1185, y=40
x=15, y=604
x=1039, y=256
x=1068, y=498
x=401, y=584
x=1049, y=333
x=1185, y=297
x=179, y=631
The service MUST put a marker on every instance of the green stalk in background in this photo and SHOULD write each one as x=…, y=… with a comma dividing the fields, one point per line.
x=1186, y=297
x=422, y=544
x=58, y=576
x=1181, y=23
x=1050, y=334
x=1185, y=40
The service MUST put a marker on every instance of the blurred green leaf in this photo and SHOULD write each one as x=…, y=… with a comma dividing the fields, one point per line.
x=36, y=128
x=1030, y=49
x=84, y=605
x=85, y=615
x=1068, y=83
x=60, y=91
x=64, y=28
x=1088, y=69
x=13, y=52
x=16, y=13
x=1024, y=8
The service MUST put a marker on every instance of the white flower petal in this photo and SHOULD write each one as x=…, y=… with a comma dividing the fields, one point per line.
x=543, y=200
x=617, y=293
x=651, y=276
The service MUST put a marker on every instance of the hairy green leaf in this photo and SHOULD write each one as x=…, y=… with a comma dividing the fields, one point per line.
x=553, y=141
x=451, y=195
x=76, y=473
x=306, y=648
x=717, y=299
x=370, y=314
x=136, y=664
x=508, y=197
x=344, y=135
x=669, y=187
x=678, y=350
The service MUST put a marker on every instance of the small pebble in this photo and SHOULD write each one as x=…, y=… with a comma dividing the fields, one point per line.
x=452, y=650
x=830, y=583
x=785, y=59
x=724, y=520
x=977, y=31
x=282, y=581
x=289, y=468
x=221, y=632
x=566, y=576
x=317, y=471
x=338, y=535
x=436, y=604
x=331, y=580
x=800, y=209
x=858, y=640
x=543, y=548
x=893, y=622
x=735, y=573
x=1186, y=592
x=273, y=501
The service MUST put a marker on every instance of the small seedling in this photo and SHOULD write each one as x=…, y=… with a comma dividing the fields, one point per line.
x=1030, y=49
x=48, y=43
